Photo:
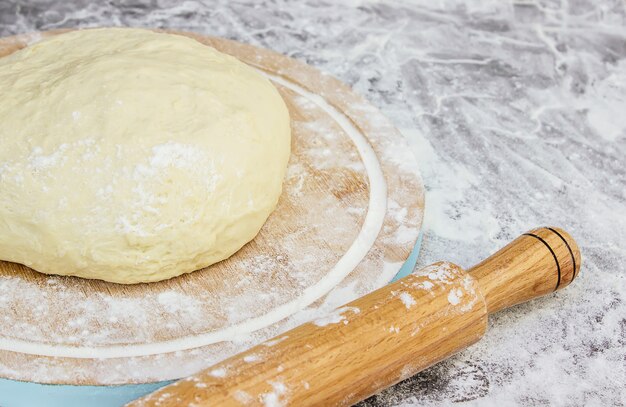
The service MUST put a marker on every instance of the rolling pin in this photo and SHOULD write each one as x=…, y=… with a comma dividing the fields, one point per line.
x=384, y=337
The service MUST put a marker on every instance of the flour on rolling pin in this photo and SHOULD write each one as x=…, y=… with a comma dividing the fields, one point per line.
x=412, y=313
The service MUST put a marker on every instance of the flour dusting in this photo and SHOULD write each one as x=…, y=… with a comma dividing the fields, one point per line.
x=219, y=372
x=336, y=316
x=454, y=296
x=251, y=358
x=276, y=398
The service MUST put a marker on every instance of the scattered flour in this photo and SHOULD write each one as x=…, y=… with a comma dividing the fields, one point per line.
x=454, y=296
x=425, y=285
x=251, y=358
x=276, y=398
x=243, y=397
x=219, y=372
x=407, y=300
x=336, y=316
x=275, y=341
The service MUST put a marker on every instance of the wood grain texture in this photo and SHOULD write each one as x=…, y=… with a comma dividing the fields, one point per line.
x=535, y=264
x=321, y=211
x=386, y=336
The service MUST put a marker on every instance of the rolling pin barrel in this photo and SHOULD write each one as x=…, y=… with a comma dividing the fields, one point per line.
x=384, y=337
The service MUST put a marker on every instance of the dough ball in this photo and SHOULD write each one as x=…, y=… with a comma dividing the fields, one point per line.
x=133, y=156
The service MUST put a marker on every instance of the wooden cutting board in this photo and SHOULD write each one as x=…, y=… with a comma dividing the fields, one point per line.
x=349, y=215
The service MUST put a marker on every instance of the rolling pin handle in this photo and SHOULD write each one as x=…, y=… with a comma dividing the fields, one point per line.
x=540, y=261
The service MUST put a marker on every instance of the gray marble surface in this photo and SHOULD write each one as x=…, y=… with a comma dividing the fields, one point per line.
x=517, y=114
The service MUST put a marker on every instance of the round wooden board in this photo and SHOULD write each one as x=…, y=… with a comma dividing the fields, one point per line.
x=350, y=213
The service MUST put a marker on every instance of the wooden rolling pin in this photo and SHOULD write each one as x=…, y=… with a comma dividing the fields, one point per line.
x=384, y=337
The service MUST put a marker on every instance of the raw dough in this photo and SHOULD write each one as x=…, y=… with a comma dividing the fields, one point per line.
x=133, y=156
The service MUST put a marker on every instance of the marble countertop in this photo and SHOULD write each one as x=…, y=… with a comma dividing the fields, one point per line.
x=517, y=114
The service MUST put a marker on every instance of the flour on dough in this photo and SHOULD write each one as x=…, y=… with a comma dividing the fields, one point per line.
x=133, y=156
